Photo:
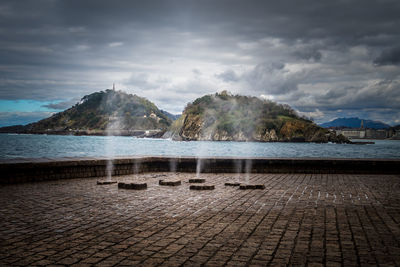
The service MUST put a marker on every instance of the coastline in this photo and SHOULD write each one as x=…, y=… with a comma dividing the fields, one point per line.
x=133, y=133
x=160, y=133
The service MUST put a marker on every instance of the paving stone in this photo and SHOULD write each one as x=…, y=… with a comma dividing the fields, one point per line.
x=197, y=180
x=68, y=261
x=232, y=184
x=301, y=219
x=170, y=182
x=135, y=186
x=202, y=187
x=251, y=186
x=106, y=182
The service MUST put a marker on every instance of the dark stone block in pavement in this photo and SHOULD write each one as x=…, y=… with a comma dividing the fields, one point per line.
x=106, y=182
x=251, y=186
x=232, y=184
x=135, y=186
x=197, y=180
x=202, y=187
x=170, y=182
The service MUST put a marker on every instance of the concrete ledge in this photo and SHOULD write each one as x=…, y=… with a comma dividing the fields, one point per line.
x=32, y=170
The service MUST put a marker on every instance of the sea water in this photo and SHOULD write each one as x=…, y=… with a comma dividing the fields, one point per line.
x=55, y=146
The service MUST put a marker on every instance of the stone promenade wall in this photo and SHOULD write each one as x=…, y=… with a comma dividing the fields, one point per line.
x=32, y=170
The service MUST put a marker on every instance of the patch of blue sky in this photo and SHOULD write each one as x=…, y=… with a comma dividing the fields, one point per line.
x=23, y=105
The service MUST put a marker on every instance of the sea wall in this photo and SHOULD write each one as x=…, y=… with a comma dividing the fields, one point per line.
x=32, y=170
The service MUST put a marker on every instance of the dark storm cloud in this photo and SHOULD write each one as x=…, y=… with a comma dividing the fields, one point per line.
x=378, y=95
x=310, y=54
x=307, y=55
x=389, y=57
x=228, y=76
x=62, y=105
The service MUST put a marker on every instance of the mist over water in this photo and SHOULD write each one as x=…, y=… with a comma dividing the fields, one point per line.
x=57, y=146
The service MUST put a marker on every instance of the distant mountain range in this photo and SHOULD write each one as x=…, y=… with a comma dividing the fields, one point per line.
x=354, y=123
x=173, y=117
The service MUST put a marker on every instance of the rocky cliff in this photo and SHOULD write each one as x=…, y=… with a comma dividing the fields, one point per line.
x=225, y=117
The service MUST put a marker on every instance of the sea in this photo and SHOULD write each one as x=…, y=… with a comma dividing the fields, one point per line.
x=22, y=146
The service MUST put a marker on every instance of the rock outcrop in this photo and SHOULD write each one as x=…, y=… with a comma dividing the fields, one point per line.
x=224, y=117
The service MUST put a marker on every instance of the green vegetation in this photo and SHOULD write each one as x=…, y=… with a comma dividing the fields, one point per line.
x=219, y=116
x=223, y=116
x=106, y=109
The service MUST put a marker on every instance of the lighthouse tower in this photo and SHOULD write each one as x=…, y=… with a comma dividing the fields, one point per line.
x=113, y=86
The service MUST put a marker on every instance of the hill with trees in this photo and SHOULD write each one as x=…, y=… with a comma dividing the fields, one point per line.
x=105, y=112
x=226, y=117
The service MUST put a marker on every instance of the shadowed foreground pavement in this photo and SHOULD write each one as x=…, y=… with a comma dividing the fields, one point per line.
x=330, y=220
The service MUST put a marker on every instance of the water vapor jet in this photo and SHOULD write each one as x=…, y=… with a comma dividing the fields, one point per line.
x=114, y=125
x=247, y=170
x=198, y=167
x=172, y=165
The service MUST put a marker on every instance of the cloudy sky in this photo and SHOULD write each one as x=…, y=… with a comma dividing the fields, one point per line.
x=326, y=59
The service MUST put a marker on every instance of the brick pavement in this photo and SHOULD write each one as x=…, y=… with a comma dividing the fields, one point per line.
x=324, y=219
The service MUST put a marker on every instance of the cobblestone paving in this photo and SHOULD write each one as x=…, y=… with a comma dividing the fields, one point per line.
x=332, y=220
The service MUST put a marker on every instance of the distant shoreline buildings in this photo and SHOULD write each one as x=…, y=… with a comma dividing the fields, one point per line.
x=367, y=133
